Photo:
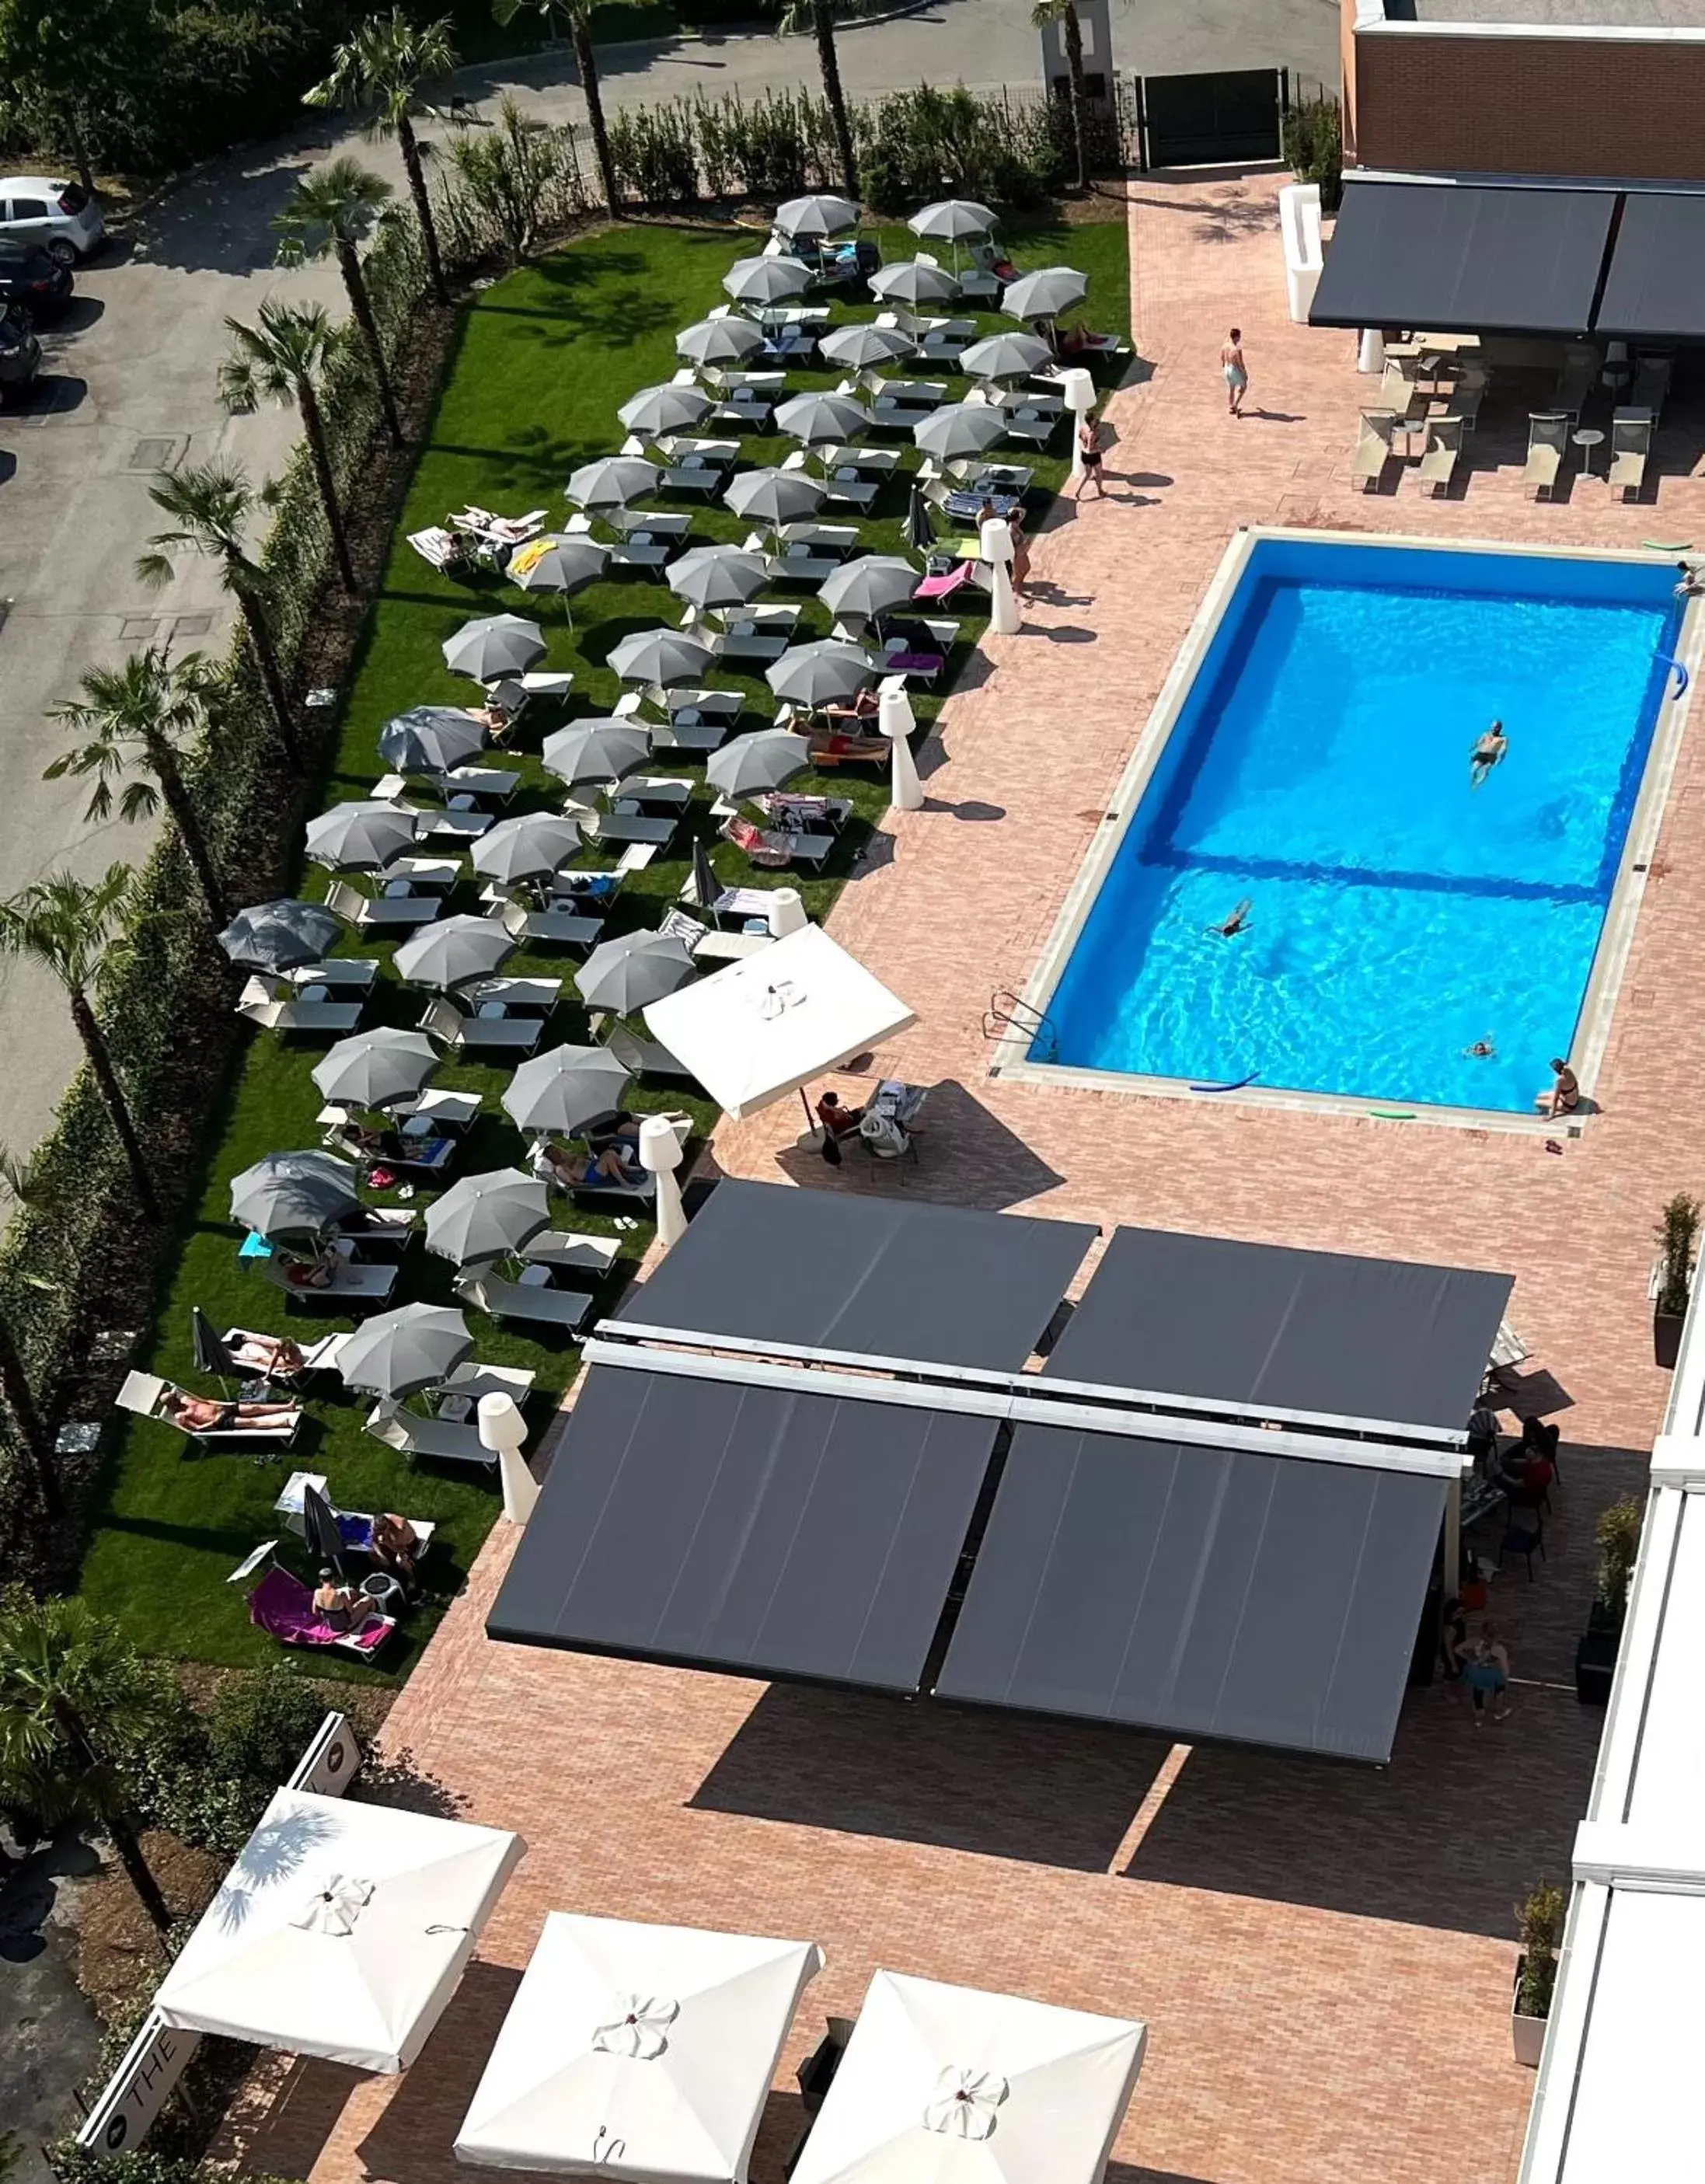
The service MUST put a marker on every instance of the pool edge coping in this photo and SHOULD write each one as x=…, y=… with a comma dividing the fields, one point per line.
x=1010, y=1061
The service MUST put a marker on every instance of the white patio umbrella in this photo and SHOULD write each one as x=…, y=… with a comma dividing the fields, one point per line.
x=662, y=656
x=612, y=481
x=377, y=1067
x=947, y=2084
x=767, y=280
x=640, y=2052
x=664, y=408
x=485, y=1216
x=555, y=564
x=589, y=751
x=404, y=1350
x=912, y=282
x=710, y=577
x=430, y=739
x=818, y=419
x=494, y=645
x=861, y=346
x=524, y=848
x=767, y=1025
x=565, y=1089
x=622, y=975
x=824, y=214
x=774, y=497
x=822, y=673
x=963, y=428
x=754, y=764
x=1045, y=294
x=341, y=1931
x=952, y=219
x=1006, y=356
x=453, y=950
x=872, y=585
x=718, y=340
x=360, y=836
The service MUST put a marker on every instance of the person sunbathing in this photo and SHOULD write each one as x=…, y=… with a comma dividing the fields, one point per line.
x=568, y=1169
x=274, y=1354
x=864, y=707
x=336, y=1603
x=201, y=1414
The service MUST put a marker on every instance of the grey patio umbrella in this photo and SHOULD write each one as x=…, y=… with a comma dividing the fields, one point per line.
x=1045, y=294
x=774, y=497
x=706, y=887
x=292, y=1194
x=963, y=428
x=815, y=418
x=767, y=280
x=360, y=836
x=612, y=481
x=718, y=340
x=377, y=1067
x=593, y=751
x=858, y=347
x=494, y=645
x=452, y=951
x=486, y=1217
x=821, y=674
x=320, y=1529
x=752, y=765
x=871, y=585
x=526, y=848
x=429, y=739
x=718, y=576
x=398, y=1353
x=919, y=525
x=657, y=409
x=280, y=936
x=565, y=1088
x=1006, y=356
x=951, y=219
x=632, y=971
x=826, y=214
x=211, y=1354
x=661, y=656
x=912, y=282
x=556, y=564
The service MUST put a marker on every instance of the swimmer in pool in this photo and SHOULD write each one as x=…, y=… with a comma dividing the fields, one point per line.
x=1487, y=752
x=1236, y=923
x=1483, y=1050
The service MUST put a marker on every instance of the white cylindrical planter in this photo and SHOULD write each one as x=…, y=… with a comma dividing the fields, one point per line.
x=786, y=913
x=1078, y=391
x=660, y=1155
x=995, y=546
x=896, y=720
x=503, y=1428
x=1370, y=356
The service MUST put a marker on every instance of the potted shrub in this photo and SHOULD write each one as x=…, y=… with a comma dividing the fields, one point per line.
x=1539, y=1921
x=1618, y=1536
x=1672, y=1276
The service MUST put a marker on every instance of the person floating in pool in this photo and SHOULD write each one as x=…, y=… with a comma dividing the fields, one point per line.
x=1483, y=1050
x=1487, y=752
x=1237, y=922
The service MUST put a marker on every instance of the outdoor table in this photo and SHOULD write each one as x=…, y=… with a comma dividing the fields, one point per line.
x=1587, y=439
x=900, y=1102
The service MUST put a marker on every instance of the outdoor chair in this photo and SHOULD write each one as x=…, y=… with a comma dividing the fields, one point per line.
x=275, y=1006
x=538, y=1301
x=283, y=1607
x=374, y=913
x=411, y=1434
x=1443, y=452
x=1398, y=394
x=1522, y=1540
x=1651, y=383
x=146, y=1395
x=482, y=1034
x=1547, y=439
x=1630, y=450
x=775, y=848
x=1577, y=379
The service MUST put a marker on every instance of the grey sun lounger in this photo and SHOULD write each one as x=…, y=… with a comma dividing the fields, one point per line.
x=536, y=1300
x=352, y=1282
x=345, y=974
x=519, y=996
x=480, y=1034
x=552, y=929
x=259, y=1003
x=441, y=1439
x=631, y=826
x=573, y=1252
x=847, y=489
x=380, y=912
x=646, y=1056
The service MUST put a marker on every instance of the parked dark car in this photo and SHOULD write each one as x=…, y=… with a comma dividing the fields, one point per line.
x=20, y=356
x=29, y=276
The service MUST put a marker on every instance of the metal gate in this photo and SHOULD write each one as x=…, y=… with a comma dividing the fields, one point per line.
x=1232, y=114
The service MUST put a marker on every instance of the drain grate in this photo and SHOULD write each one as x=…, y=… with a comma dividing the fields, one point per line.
x=187, y=625
x=154, y=455
x=138, y=629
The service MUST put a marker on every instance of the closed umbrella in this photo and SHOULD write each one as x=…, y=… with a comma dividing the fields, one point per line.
x=320, y=1529
x=632, y=971
x=952, y=219
x=360, y=836
x=662, y=656
x=1045, y=294
x=280, y=936
x=912, y=282
x=824, y=214
x=754, y=764
x=774, y=497
x=593, y=751
x=871, y=585
x=555, y=564
x=612, y=481
x=767, y=280
x=816, y=418
x=565, y=1088
x=452, y=951
x=657, y=409
x=718, y=576
x=429, y=739
x=821, y=674
x=486, y=1216
x=526, y=848
x=919, y=525
x=859, y=348
x=399, y=1352
x=706, y=887
x=292, y=1194
x=494, y=645
x=718, y=340
x=376, y=1068
x=963, y=428
x=211, y=1354
x=1006, y=356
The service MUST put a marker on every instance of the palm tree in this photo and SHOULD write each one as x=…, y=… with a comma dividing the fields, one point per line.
x=67, y=926
x=275, y=360
x=383, y=67
x=73, y=1697
x=1065, y=13
x=20, y=1181
x=577, y=15
x=821, y=15
x=329, y=214
x=140, y=716
x=211, y=504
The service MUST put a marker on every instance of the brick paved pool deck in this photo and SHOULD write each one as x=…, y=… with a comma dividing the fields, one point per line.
x=1322, y=1952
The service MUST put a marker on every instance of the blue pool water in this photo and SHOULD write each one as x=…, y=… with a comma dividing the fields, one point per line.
x=1319, y=766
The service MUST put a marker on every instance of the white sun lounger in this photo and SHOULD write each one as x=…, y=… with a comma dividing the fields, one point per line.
x=309, y=1011
x=383, y=913
x=144, y=1393
x=571, y=1252
x=1547, y=438
x=442, y=1439
x=479, y=1034
x=536, y=1300
x=352, y=1282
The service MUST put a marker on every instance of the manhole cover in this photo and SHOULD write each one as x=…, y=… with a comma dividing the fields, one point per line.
x=153, y=455
x=192, y=626
x=138, y=629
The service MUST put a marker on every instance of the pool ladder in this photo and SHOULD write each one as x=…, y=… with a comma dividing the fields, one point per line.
x=1007, y=1012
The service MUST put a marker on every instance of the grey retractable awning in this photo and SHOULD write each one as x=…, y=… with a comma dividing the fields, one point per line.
x=821, y=1270
x=1655, y=290
x=716, y=1526
x=1464, y=259
x=1247, y=1324
x=1205, y=1592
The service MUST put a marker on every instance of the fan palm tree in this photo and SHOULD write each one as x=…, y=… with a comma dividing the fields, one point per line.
x=577, y=15
x=819, y=14
x=20, y=1183
x=137, y=720
x=210, y=504
x=1065, y=13
x=69, y=926
x=73, y=1699
x=329, y=214
x=383, y=67
x=277, y=360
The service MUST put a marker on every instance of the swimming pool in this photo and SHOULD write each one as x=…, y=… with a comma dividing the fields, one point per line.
x=1310, y=760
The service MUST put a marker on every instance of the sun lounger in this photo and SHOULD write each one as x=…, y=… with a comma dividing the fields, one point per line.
x=274, y=1007
x=519, y=996
x=619, y=826
x=1577, y=379
x=1630, y=450
x=648, y=1057
x=470, y=1381
x=777, y=847
x=1547, y=438
x=936, y=591
x=380, y=913
x=1034, y=427
x=406, y=875
x=833, y=749
x=651, y=792
x=1373, y=447
x=283, y=1607
x=424, y=1155
x=1651, y=384
x=342, y=974
x=146, y=1393
x=453, y=826
x=349, y=1282
x=1443, y=452
x=538, y=1301
x=320, y=1356
x=484, y=784
x=480, y=1034
x=570, y=1252
x=550, y=927
x=1398, y=394
x=412, y=1434
x=707, y=943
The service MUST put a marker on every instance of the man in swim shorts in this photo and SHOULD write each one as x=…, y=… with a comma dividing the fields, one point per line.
x=1487, y=752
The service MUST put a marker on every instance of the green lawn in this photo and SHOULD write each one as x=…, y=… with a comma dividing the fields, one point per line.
x=543, y=359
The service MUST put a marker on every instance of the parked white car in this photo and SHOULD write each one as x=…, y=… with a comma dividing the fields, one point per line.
x=61, y=217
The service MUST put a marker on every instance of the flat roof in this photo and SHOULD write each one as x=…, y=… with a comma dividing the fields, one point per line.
x=1539, y=15
x=1656, y=284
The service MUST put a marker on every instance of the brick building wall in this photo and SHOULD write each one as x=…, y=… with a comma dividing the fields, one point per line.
x=1529, y=105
